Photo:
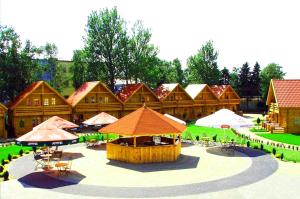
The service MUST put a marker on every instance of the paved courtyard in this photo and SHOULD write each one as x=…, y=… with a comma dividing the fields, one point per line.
x=200, y=171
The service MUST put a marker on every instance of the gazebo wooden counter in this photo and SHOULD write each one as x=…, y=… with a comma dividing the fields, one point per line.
x=145, y=151
x=145, y=141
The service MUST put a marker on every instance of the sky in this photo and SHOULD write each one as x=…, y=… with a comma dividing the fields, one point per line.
x=242, y=31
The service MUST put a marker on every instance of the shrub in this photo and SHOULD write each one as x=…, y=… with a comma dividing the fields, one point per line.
x=197, y=138
x=278, y=155
x=261, y=147
x=34, y=149
x=214, y=138
x=102, y=138
x=6, y=175
x=15, y=156
x=84, y=139
x=274, y=151
x=248, y=144
x=21, y=152
x=255, y=147
x=26, y=152
x=9, y=157
x=281, y=156
x=1, y=168
x=2, y=162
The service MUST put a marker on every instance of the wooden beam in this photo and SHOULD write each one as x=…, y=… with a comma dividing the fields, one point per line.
x=134, y=141
x=174, y=140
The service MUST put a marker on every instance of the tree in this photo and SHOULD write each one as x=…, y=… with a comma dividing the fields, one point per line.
x=234, y=79
x=203, y=67
x=244, y=80
x=103, y=43
x=225, y=76
x=255, y=80
x=18, y=65
x=271, y=71
x=179, y=75
x=79, y=68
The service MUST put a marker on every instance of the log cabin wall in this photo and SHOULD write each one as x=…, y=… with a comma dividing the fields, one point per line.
x=228, y=98
x=205, y=101
x=36, y=104
x=134, y=96
x=175, y=101
x=3, y=112
x=93, y=98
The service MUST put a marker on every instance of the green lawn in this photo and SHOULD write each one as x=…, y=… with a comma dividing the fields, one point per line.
x=12, y=150
x=222, y=134
x=288, y=155
x=97, y=136
x=284, y=138
x=258, y=130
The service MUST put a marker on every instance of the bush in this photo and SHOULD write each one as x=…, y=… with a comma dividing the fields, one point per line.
x=15, y=156
x=248, y=144
x=21, y=152
x=274, y=151
x=261, y=147
x=6, y=175
x=281, y=156
x=197, y=138
x=214, y=138
x=278, y=155
x=34, y=149
x=1, y=169
x=26, y=152
x=102, y=138
x=84, y=139
x=255, y=147
x=2, y=162
x=9, y=157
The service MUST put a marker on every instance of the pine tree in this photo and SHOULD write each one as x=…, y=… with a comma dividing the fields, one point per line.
x=244, y=80
x=255, y=80
x=225, y=76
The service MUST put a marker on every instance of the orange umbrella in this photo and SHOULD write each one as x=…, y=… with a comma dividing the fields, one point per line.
x=59, y=123
x=100, y=119
x=144, y=121
x=47, y=134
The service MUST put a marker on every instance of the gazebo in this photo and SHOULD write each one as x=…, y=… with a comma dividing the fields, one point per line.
x=143, y=138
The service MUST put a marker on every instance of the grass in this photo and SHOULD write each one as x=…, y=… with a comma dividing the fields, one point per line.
x=97, y=136
x=288, y=155
x=222, y=134
x=284, y=138
x=258, y=130
x=12, y=150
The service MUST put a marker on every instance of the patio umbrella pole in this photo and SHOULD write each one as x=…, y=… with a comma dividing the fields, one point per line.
x=134, y=141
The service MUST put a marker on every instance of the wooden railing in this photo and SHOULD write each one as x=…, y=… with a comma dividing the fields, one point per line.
x=273, y=108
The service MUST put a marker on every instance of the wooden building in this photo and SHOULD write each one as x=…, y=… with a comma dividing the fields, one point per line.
x=134, y=96
x=283, y=102
x=175, y=101
x=35, y=104
x=228, y=98
x=93, y=98
x=205, y=100
x=3, y=111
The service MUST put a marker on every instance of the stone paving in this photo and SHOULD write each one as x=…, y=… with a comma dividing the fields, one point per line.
x=199, y=171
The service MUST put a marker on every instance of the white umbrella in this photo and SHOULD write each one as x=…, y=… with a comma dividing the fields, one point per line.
x=101, y=119
x=175, y=119
x=223, y=118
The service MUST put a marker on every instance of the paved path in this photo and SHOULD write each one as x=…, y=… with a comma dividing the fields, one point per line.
x=262, y=166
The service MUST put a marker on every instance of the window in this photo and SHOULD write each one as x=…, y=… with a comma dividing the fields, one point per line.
x=35, y=121
x=105, y=99
x=21, y=123
x=46, y=102
x=28, y=102
x=86, y=99
x=100, y=99
x=36, y=102
x=296, y=121
x=93, y=99
x=53, y=101
x=142, y=99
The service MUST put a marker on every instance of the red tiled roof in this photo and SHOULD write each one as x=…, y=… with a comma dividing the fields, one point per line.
x=81, y=92
x=144, y=121
x=25, y=93
x=219, y=89
x=128, y=90
x=287, y=93
x=163, y=90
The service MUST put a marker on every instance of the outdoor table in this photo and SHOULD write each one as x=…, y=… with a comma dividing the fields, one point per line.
x=205, y=140
x=60, y=166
